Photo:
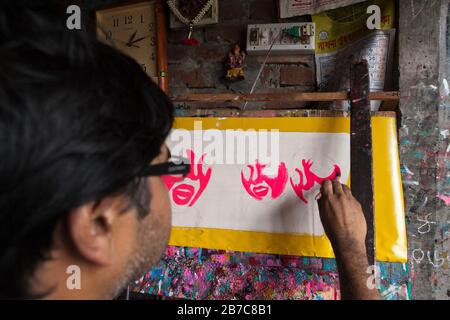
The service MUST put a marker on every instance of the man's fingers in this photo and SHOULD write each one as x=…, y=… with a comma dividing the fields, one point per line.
x=346, y=189
x=327, y=188
x=337, y=186
x=318, y=196
x=333, y=187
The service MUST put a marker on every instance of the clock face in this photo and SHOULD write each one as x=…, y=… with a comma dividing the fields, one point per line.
x=132, y=30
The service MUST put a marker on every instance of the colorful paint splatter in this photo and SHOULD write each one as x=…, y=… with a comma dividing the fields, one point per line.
x=193, y=273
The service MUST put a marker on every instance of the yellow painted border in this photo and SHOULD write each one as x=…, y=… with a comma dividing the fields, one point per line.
x=290, y=124
x=390, y=227
x=251, y=241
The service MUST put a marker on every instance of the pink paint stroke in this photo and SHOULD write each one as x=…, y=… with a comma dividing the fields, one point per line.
x=308, y=179
x=445, y=198
x=258, y=184
x=185, y=194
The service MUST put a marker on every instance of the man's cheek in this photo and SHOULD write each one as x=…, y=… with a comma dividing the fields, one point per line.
x=161, y=205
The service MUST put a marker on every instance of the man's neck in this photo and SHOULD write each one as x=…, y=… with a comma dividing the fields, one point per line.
x=67, y=280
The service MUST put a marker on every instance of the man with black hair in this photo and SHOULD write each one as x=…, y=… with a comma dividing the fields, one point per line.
x=80, y=124
x=82, y=132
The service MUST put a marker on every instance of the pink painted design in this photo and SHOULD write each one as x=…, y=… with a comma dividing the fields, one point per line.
x=308, y=179
x=445, y=198
x=185, y=193
x=258, y=184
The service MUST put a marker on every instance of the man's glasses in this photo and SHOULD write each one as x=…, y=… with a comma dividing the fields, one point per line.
x=175, y=166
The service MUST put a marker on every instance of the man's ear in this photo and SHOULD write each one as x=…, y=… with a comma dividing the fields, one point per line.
x=90, y=229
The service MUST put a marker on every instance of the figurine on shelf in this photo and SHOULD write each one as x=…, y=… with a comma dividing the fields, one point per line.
x=235, y=64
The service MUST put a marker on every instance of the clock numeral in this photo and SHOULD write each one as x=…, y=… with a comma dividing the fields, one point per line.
x=153, y=41
x=153, y=56
x=144, y=67
x=128, y=19
x=150, y=26
x=116, y=22
x=108, y=35
x=142, y=18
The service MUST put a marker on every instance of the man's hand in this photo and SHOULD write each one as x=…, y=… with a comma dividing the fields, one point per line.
x=344, y=223
x=342, y=217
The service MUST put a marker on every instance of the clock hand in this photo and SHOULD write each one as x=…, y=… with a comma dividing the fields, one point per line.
x=139, y=39
x=130, y=42
x=126, y=43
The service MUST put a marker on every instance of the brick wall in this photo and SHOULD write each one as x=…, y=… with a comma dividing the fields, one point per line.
x=201, y=68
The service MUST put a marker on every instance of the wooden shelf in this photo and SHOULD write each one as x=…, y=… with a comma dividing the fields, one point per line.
x=390, y=96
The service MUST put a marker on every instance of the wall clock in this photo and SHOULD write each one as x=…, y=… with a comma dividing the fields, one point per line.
x=137, y=29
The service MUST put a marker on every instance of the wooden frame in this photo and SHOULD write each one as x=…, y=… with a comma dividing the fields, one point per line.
x=161, y=41
x=285, y=97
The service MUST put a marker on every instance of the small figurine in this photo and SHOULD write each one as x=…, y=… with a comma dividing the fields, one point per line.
x=235, y=64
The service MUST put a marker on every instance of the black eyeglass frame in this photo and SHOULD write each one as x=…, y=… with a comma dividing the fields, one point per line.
x=179, y=167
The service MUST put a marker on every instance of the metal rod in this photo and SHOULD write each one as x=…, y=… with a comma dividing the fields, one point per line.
x=361, y=152
x=262, y=67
